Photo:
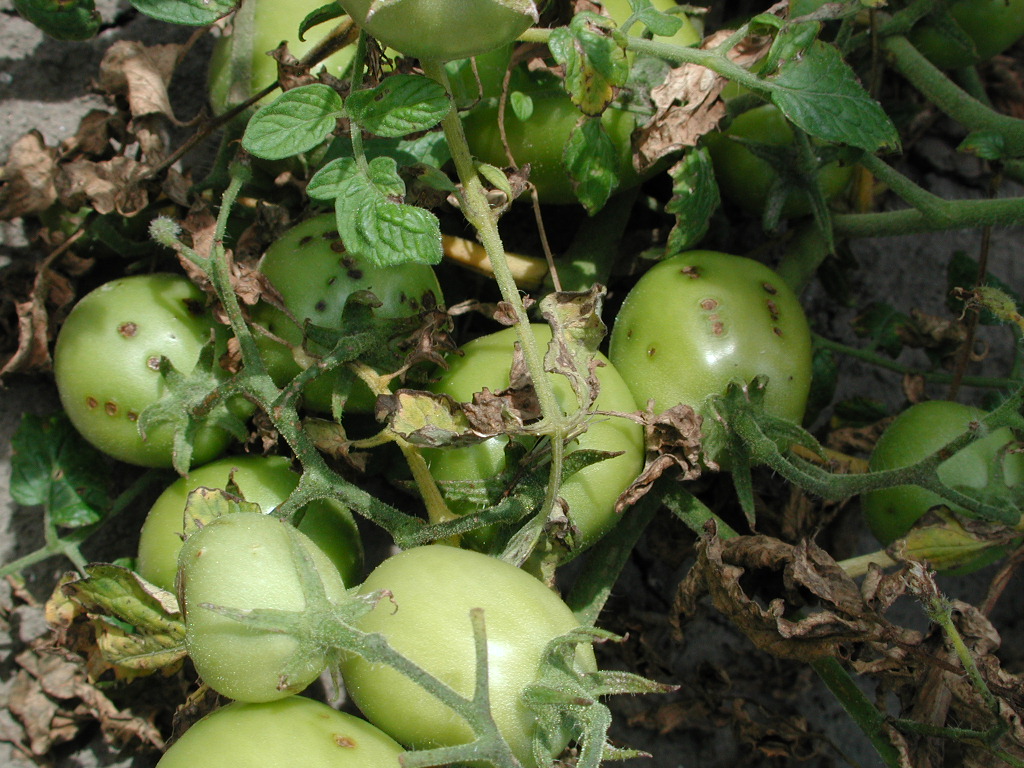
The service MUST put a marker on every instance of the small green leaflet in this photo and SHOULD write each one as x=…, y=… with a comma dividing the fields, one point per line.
x=400, y=105
x=694, y=199
x=74, y=20
x=373, y=222
x=661, y=24
x=194, y=13
x=820, y=94
x=295, y=122
x=590, y=158
x=54, y=467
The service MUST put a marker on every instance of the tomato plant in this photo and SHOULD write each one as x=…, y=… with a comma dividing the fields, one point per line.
x=424, y=28
x=698, y=320
x=747, y=179
x=316, y=277
x=263, y=480
x=271, y=22
x=276, y=734
x=991, y=26
x=245, y=562
x=107, y=363
x=592, y=491
x=433, y=589
x=919, y=431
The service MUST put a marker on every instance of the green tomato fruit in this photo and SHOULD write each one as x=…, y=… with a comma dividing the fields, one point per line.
x=272, y=23
x=991, y=25
x=541, y=141
x=687, y=34
x=107, y=364
x=263, y=480
x=698, y=320
x=248, y=561
x=315, y=276
x=442, y=30
x=590, y=493
x=746, y=179
x=427, y=619
x=918, y=432
x=290, y=733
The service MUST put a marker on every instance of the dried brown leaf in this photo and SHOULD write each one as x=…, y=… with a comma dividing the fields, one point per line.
x=92, y=139
x=115, y=185
x=140, y=73
x=28, y=177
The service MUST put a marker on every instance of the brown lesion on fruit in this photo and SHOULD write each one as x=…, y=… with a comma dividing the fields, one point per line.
x=332, y=234
x=320, y=306
x=773, y=309
x=776, y=330
x=717, y=325
x=337, y=246
x=651, y=351
x=344, y=741
x=709, y=304
x=304, y=241
x=127, y=329
x=194, y=307
x=110, y=407
x=769, y=288
x=91, y=401
x=153, y=363
x=691, y=271
x=133, y=416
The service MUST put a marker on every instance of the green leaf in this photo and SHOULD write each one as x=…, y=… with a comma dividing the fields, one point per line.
x=195, y=13
x=661, y=24
x=295, y=122
x=139, y=628
x=522, y=105
x=53, y=466
x=400, y=105
x=429, y=149
x=372, y=221
x=68, y=20
x=694, y=199
x=820, y=94
x=594, y=64
x=592, y=161
x=321, y=15
x=988, y=145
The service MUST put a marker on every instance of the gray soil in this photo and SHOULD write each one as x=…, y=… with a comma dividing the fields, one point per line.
x=44, y=85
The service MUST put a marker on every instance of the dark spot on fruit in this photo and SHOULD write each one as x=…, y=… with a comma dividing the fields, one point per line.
x=110, y=407
x=133, y=416
x=690, y=271
x=355, y=274
x=344, y=741
x=777, y=331
x=629, y=334
x=770, y=288
x=773, y=309
x=91, y=401
x=651, y=351
x=708, y=304
x=717, y=326
x=331, y=235
x=331, y=280
x=153, y=363
x=321, y=306
x=128, y=329
x=304, y=241
x=337, y=246
x=194, y=307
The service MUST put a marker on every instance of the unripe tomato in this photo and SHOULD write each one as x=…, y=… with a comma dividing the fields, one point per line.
x=248, y=561
x=746, y=179
x=315, y=276
x=590, y=493
x=698, y=320
x=686, y=35
x=289, y=733
x=443, y=30
x=263, y=480
x=918, y=432
x=273, y=22
x=427, y=620
x=992, y=25
x=107, y=364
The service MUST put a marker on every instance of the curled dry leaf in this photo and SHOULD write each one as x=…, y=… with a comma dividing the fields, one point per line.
x=109, y=186
x=27, y=179
x=140, y=73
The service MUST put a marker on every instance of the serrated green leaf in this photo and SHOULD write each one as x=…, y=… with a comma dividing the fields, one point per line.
x=400, y=105
x=592, y=161
x=659, y=23
x=53, y=466
x=195, y=13
x=295, y=122
x=820, y=94
x=68, y=20
x=695, y=197
x=375, y=225
x=594, y=64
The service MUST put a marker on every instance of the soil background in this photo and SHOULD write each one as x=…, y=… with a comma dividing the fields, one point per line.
x=735, y=706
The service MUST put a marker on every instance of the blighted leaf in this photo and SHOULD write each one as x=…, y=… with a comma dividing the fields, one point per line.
x=595, y=66
x=54, y=467
x=695, y=198
x=400, y=105
x=62, y=19
x=27, y=178
x=192, y=12
x=204, y=505
x=139, y=628
x=591, y=158
x=118, y=185
x=427, y=419
x=140, y=73
x=576, y=333
x=295, y=122
x=819, y=93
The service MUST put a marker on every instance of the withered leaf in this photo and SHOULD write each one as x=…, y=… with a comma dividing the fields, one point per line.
x=427, y=419
x=115, y=185
x=28, y=177
x=142, y=74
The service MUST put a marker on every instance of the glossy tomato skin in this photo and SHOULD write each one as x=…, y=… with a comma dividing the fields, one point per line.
x=315, y=276
x=746, y=179
x=992, y=25
x=590, y=493
x=441, y=30
x=273, y=22
x=107, y=359
x=700, y=319
x=427, y=620
x=918, y=432
x=289, y=733
x=686, y=35
x=245, y=561
x=263, y=480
